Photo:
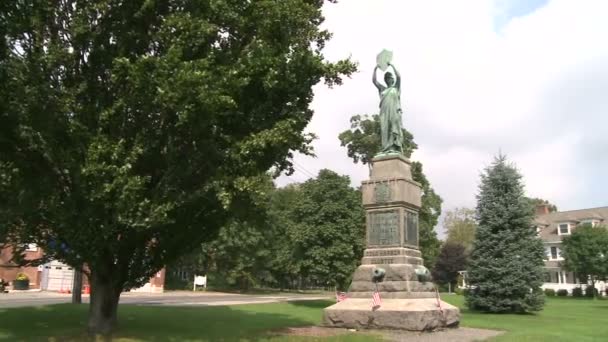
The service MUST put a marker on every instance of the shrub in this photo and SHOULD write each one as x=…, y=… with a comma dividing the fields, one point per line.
x=562, y=293
x=577, y=292
x=550, y=292
x=22, y=276
x=590, y=291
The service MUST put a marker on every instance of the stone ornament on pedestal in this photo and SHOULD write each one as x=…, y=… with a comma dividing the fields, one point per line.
x=392, y=200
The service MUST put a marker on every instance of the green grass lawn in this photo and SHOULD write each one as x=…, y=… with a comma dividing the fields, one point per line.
x=562, y=320
x=67, y=322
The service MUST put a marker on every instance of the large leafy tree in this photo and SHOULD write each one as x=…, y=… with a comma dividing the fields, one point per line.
x=451, y=260
x=363, y=143
x=129, y=130
x=506, y=265
x=325, y=232
x=239, y=255
x=460, y=227
x=586, y=252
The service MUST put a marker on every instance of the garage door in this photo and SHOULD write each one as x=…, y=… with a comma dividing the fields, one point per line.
x=57, y=276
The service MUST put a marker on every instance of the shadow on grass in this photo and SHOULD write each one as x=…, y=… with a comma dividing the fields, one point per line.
x=313, y=304
x=66, y=322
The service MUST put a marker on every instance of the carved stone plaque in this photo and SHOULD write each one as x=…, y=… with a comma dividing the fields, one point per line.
x=383, y=228
x=382, y=193
x=410, y=228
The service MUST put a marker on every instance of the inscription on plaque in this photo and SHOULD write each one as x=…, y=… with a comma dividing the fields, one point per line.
x=381, y=261
x=382, y=192
x=410, y=228
x=390, y=252
x=383, y=228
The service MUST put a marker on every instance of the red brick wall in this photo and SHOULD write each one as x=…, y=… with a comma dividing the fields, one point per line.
x=9, y=271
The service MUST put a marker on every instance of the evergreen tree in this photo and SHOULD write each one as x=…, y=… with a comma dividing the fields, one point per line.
x=505, y=269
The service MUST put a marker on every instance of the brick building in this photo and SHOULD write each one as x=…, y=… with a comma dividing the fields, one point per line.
x=55, y=275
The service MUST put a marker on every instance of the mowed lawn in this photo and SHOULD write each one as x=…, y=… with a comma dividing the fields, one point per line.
x=255, y=322
x=562, y=320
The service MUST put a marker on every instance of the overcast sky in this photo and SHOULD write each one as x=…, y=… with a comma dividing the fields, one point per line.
x=525, y=77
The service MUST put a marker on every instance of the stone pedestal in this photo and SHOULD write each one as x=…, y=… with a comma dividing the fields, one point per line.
x=392, y=201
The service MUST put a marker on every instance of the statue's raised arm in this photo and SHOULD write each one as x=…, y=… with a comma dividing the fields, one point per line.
x=375, y=80
x=397, y=76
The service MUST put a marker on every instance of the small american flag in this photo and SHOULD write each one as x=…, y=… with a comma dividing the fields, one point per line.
x=340, y=296
x=376, y=300
x=438, y=300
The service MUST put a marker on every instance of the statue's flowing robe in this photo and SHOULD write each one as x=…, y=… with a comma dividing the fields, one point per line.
x=390, y=120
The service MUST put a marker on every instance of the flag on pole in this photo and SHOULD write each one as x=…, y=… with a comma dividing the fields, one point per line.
x=340, y=296
x=376, y=300
x=438, y=300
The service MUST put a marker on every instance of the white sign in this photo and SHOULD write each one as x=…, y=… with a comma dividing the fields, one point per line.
x=200, y=280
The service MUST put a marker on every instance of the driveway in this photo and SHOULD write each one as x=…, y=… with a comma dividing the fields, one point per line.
x=171, y=298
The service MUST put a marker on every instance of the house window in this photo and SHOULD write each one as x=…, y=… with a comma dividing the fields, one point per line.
x=593, y=223
x=547, y=277
x=553, y=253
x=563, y=229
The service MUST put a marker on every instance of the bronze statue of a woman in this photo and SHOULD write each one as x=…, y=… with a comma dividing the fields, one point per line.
x=390, y=109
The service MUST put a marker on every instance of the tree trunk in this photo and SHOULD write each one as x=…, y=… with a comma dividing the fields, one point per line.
x=104, y=304
x=77, y=287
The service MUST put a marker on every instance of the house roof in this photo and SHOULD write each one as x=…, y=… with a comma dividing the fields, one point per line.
x=550, y=221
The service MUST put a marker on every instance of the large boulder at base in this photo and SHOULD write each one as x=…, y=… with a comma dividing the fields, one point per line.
x=407, y=314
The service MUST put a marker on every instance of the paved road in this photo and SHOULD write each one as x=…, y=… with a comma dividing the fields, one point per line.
x=177, y=298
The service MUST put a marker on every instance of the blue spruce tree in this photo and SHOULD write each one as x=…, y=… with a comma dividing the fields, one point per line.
x=505, y=269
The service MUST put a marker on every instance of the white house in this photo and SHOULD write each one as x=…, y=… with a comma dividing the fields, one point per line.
x=552, y=228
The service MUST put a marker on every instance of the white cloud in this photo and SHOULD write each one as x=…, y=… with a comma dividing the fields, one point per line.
x=535, y=90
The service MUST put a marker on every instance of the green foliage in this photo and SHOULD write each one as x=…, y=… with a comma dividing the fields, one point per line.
x=534, y=202
x=550, y=292
x=460, y=227
x=586, y=252
x=506, y=265
x=324, y=230
x=591, y=291
x=577, y=292
x=428, y=217
x=452, y=259
x=311, y=234
x=363, y=143
x=130, y=131
x=562, y=293
x=241, y=251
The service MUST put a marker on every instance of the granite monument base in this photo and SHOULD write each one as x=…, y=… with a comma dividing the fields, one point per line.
x=415, y=314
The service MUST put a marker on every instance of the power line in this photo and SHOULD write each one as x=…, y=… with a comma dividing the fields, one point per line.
x=304, y=170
